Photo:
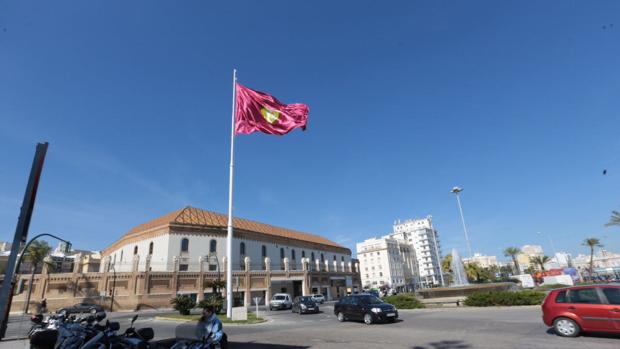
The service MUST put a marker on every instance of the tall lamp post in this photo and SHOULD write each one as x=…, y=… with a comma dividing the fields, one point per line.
x=113, y=290
x=12, y=280
x=456, y=191
x=217, y=262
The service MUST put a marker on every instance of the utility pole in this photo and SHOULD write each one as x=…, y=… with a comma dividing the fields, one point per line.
x=21, y=235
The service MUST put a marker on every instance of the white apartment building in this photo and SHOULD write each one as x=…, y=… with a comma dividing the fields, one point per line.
x=424, y=242
x=384, y=262
x=482, y=260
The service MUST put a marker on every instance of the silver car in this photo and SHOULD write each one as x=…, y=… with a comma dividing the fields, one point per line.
x=281, y=301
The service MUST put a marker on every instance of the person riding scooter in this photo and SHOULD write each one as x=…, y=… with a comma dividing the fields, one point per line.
x=209, y=329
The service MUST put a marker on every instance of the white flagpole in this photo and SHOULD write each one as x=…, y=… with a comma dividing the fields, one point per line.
x=229, y=238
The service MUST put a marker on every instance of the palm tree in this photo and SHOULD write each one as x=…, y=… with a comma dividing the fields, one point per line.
x=35, y=254
x=592, y=243
x=540, y=261
x=614, y=220
x=513, y=252
x=473, y=272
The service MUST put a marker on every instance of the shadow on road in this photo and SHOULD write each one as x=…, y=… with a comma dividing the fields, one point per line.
x=167, y=343
x=591, y=334
x=238, y=345
x=444, y=345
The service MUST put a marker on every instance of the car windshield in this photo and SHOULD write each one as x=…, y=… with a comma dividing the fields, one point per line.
x=279, y=298
x=305, y=299
x=370, y=300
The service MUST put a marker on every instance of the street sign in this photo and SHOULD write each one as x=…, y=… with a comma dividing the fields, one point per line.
x=257, y=301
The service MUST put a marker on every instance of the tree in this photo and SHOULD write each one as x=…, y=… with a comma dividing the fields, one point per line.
x=35, y=254
x=473, y=272
x=592, y=243
x=540, y=261
x=614, y=220
x=513, y=252
x=184, y=304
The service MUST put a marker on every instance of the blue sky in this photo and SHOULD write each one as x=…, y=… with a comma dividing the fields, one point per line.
x=517, y=102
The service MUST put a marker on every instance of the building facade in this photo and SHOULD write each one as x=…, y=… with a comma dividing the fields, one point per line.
x=423, y=239
x=528, y=252
x=385, y=262
x=184, y=253
x=481, y=260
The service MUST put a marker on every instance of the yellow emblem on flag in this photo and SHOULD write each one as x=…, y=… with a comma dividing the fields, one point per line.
x=270, y=115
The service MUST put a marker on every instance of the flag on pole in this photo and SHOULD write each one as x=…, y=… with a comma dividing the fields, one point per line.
x=259, y=111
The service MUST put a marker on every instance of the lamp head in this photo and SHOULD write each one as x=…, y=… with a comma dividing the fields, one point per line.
x=456, y=190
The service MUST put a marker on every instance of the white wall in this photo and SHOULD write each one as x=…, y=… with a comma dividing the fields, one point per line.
x=166, y=247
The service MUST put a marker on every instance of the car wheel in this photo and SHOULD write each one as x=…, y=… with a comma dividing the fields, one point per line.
x=566, y=327
x=367, y=319
x=341, y=317
x=270, y=308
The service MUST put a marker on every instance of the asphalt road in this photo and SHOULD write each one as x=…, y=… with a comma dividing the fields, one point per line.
x=455, y=328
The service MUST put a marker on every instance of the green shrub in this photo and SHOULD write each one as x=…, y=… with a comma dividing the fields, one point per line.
x=214, y=301
x=504, y=298
x=404, y=301
x=183, y=304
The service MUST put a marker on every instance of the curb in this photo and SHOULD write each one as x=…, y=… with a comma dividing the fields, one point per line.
x=224, y=324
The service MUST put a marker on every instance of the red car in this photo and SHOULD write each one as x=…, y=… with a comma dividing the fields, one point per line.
x=592, y=308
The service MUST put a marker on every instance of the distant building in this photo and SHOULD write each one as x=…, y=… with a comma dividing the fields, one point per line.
x=424, y=241
x=559, y=260
x=385, y=262
x=603, y=259
x=528, y=252
x=481, y=260
x=5, y=246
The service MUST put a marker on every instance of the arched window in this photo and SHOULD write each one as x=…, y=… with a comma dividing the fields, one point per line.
x=151, y=248
x=135, y=250
x=322, y=258
x=242, y=249
x=303, y=254
x=312, y=257
x=213, y=246
x=342, y=258
x=292, y=254
x=334, y=257
x=281, y=252
x=264, y=251
x=185, y=245
x=121, y=255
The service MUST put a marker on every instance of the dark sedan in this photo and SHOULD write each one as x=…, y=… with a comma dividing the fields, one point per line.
x=82, y=308
x=365, y=307
x=304, y=305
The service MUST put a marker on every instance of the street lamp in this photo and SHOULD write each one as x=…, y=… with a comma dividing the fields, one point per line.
x=456, y=191
x=217, y=262
x=10, y=277
x=550, y=242
x=111, y=265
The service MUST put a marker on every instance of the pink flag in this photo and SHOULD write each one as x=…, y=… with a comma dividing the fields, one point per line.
x=258, y=111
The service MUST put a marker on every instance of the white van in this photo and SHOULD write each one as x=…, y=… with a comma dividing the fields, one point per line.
x=281, y=301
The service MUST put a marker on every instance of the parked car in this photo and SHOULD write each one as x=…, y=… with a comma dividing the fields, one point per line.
x=281, y=301
x=364, y=307
x=591, y=308
x=318, y=298
x=82, y=308
x=304, y=305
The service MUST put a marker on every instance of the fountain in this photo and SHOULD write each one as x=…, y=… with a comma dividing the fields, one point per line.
x=459, y=277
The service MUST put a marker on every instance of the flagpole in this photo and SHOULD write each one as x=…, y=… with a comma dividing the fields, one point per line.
x=229, y=237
